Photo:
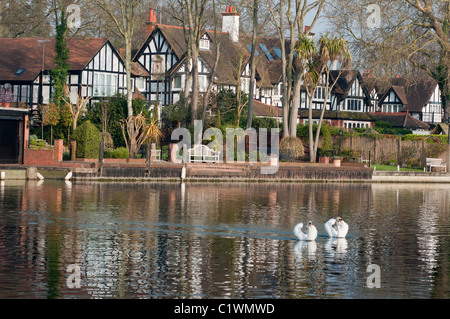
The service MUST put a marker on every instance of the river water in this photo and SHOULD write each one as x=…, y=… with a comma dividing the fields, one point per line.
x=222, y=240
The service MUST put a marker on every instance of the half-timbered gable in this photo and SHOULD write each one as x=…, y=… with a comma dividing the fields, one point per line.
x=423, y=99
x=393, y=100
x=162, y=51
x=432, y=111
x=349, y=94
x=104, y=75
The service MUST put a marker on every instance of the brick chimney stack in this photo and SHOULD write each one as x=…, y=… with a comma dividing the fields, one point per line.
x=151, y=22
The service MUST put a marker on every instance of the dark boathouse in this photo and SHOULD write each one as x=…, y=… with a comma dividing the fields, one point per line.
x=13, y=134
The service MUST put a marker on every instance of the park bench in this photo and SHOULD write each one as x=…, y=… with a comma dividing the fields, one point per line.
x=435, y=162
x=202, y=153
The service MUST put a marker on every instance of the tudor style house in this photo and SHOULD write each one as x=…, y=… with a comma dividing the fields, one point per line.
x=163, y=56
x=420, y=98
x=96, y=69
x=159, y=74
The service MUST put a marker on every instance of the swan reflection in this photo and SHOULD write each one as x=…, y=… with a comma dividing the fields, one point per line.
x=308, y=248
x=336, y=245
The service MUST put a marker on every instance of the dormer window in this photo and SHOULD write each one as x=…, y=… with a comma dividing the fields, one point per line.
x=204, y=44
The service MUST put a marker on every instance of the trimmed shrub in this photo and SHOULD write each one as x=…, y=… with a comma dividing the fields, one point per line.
x=327, y=149
x=88, y=138
x=121, y=152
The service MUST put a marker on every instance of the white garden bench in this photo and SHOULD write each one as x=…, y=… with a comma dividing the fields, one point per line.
x=202, y=153
x=435, y=162
x=156, y=154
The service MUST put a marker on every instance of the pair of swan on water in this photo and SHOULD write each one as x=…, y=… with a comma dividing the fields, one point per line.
x=335, y=227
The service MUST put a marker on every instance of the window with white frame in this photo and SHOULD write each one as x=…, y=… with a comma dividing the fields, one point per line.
x=204, y=44
x=356, y=124
x=391, y=108
x=105, y=84
x=203, y=82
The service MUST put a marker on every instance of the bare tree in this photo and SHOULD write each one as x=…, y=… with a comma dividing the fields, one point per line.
x=413, y=31
x=319, y=74
x=195, y=10
x=252, y=64
x=123, y=13
x=289, y=17
x=77, y=105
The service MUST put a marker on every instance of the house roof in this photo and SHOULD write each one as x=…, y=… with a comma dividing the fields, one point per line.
x=401, y=120
x=27, y=54
x=413, y=93
x=265, y=110
x=339, y=115
x=345, y=82
x=233, y=56
x=440, y=128
x=419, y=94
x=267, y=56
x=136, y=68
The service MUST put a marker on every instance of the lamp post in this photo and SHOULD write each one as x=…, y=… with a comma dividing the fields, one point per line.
x=341, y=132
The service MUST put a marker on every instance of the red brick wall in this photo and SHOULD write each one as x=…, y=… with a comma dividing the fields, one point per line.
x=44, y=157
x=38, y=157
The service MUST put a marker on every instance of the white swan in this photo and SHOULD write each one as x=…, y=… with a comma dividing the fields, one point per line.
x=339, y=230
x=310, y=235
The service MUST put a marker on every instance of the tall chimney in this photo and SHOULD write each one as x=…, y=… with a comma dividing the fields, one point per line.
x=230, y=23
x=151, y=22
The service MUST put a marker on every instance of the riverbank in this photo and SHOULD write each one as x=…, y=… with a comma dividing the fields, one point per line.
x=239, y=172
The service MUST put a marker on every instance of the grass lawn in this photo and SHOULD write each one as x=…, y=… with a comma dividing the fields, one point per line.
x=393, y=168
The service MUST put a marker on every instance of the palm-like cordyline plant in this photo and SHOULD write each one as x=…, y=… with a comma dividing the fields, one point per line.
x=304, y=51
x=139, y=131
x=330, y=50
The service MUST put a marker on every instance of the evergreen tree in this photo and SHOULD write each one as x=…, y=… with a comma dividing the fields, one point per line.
x=61, y=71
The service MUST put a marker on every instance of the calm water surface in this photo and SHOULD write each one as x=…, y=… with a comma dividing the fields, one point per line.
x=141, y=240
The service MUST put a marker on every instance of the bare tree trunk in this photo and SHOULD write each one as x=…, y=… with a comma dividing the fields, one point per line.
x=312, y=155
x=296, y=94
x=252, y=65
x=195, y=86
x=128, y=75
x=211, y=83
x=444, y=86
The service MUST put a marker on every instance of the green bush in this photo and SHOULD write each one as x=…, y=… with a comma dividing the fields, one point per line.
x=327, y=149
x=121, y=152
x=66, y=156
x=165, y=153
x=108, y=153
x=439, y=139
x=88, y=138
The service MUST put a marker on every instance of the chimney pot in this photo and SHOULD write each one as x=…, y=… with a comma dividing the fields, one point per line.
x=151, y=22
